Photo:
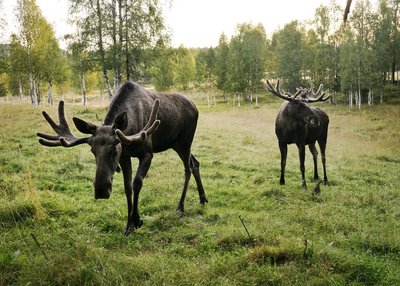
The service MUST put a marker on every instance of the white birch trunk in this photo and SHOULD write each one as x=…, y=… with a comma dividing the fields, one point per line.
x=50, y=93
x=21, y=95
x=32, y=91
x=38, y=95
x=116, y=82
x=372, y=97
x=108, y=85
x=83, y=88
x=351, y=99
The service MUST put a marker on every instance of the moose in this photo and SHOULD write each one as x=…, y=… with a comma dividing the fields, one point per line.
x=138, y=123
x=299, y=123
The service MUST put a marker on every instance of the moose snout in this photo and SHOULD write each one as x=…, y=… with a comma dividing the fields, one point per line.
x=102, y=190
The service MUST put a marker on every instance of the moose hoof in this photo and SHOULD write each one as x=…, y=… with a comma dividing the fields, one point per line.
x=326, y=183
x=128, y=230
x=203, y=201
x=138, y=224
x=130, y=227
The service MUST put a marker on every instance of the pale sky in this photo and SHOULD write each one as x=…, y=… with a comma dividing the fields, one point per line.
x=195, y=23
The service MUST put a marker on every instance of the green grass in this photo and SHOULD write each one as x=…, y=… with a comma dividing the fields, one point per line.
x=352, y=228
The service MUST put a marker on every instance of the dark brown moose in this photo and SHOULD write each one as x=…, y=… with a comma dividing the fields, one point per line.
x=138, y=123
x=301, y=124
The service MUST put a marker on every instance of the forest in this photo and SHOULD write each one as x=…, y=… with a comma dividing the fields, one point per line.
x=119, y=40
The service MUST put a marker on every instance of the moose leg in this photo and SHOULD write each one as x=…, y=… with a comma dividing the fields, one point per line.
x=195, y=167
x=185, y=157
x=126, y=167
x=322, y=147
x=302, y=156
x=283, y=149
x=314, y=153
x=144, y=165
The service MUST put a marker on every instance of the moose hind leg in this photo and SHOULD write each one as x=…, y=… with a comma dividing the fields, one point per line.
x=314, y=153
x=185, y=157
x=195, y=167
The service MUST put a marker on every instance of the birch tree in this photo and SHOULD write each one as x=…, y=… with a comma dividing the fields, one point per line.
x=118, y=33
x=221, y=62
x=289, y=55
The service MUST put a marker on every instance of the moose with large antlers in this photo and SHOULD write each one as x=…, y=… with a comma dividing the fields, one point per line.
x=301, y=124
x=138, y=123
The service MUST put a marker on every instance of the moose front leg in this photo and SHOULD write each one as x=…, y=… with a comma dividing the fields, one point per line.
x=283, y=149
x=126, y=167
x=144, y=165
x=302, y=156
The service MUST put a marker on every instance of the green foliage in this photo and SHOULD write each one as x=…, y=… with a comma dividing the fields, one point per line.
x=246, y=58
x=3, y=89
x=205, y=68
x=162, y=70
x=118, y=33
x=221, y=62
x=351, y=227
x=288, y=49
x=185, y=68
x=34, y=53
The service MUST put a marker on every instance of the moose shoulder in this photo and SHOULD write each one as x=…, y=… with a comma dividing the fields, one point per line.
x=299, y=123
x=138, y=123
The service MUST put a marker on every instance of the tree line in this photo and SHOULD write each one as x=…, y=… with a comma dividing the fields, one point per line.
x=119, y=40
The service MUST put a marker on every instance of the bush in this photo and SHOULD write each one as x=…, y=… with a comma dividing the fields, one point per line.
x=3, y=89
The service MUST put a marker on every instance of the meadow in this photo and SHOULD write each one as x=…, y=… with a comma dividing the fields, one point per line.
x=53, y=232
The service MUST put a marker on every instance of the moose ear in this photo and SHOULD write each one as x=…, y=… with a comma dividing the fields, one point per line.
x=121, y=122
x=84, y=127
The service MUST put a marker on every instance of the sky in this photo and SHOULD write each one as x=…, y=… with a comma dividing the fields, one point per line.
x=193, y=23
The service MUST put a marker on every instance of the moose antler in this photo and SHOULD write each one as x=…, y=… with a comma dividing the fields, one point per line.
x=319, y=96
x=150, y=127
x=305, y=95
x=64, y=136
x=286, y=96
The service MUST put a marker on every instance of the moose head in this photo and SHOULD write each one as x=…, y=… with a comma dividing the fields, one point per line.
x=106, y=142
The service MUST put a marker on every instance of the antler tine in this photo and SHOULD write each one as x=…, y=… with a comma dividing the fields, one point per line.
x=64, y=136
x=147, y=130
x=300, y=92
x=318, y=96
x=153, y=114
x=276, y=91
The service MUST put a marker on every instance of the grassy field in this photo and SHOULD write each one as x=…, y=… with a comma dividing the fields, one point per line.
x=53, y=232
